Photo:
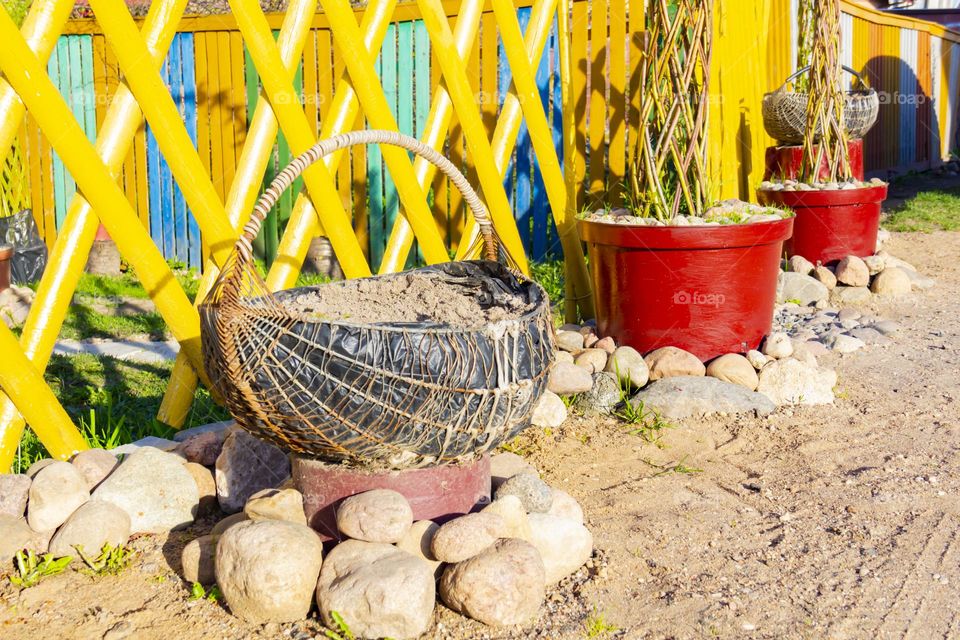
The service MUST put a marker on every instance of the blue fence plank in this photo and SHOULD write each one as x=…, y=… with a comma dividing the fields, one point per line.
x=174, y=81
x=188, y=69
x=518, y=178
x=540, y=207
x=554, y=250
x=375, y=182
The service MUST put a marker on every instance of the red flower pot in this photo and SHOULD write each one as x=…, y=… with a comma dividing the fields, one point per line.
x=6, y=254
x=831, y=225
x=785, y=163
x=707, y=289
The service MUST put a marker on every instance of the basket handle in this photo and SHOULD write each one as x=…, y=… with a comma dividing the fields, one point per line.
x=796, y=74
x=285, y=178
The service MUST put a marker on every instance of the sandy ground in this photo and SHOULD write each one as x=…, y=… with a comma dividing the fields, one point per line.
x=817, y=522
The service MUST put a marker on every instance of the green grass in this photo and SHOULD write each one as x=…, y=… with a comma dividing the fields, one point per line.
x=549, y=275
x=928, y=211
x=30, y=568
x=84, y=322
x=597, y=627
x=127, y=285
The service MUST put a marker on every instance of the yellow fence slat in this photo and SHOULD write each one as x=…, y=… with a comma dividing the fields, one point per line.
x=598, y=101
x=617, y=105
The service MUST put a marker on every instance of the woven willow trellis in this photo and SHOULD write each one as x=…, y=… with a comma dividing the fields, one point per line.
x=668, y=175
x=825, y=106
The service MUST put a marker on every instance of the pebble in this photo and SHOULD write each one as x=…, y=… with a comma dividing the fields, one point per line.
x=842, y=296
x=514, y=516
x=14, y=488
x=246, y=465
x=875, y=264
x=466, y=536
x=94, y=465
x=267, y=571
x=735, y=368
x=920, y=282
x=380, y=515
x=567, y=379
x=602, y=399
x=803, y=289
x=563, y=356
x=669, y=362
x=844, y=343
x=565, y=506
x=886, y=327
x=203, y=448
x=58, y=490
x=90, y=527
x=870, y=336
x=756, y=359
x=629, y=366
x=38, y=465
x=378, y=590
x=549, y=412
x=564, y=545
x=824, y=276
x=197, y=561
x=607, y=344
x=505, y=465
x=777, y=346
x=853, y=272
x=570, y=341
x=535, y=494
x=891, y=281
x=845, y=315
x=418, y=542
x=276, y=504
x=799, y=264
x=790, y=381
x=593, y=360
x=504, y=585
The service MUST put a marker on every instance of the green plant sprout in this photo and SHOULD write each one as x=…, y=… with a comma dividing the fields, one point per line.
x=597, y=627
x=677, y=467
x=31, y=569
x=111, y=561
x=649, y=424
x=197, y=592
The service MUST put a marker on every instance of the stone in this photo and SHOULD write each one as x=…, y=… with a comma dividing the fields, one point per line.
x=844, y=343
x=842, y=296
x=815, y=348
x=150, y=442
x=570, y=341
x=589, y=340
x=40, y=542
x=777, y=345
x=418, y=542
x=15, y=305
x=570, y=326
x=14, y=488
x=875, y=264
x=629, y=366
x=593, y=360
x=565, y=506
x=801, y=288
x=504, y=585
x=203, y=448
x=38, y=465
x=276, y=504
x=155, y=489
x=15, y=535
x=267, y=571
x=94, y=465
x=802, y=353
x=756, y=359
x=565, y=545
x=379, y=591
x=793, y=382
x=505, y=465
x=466, y=536
x=198, y=560
x=534, y=493
x=920, y=282
x=893, y=261
x=215, y=427
x=567, y=379
x=668, y=362
x=206, y=488
x=90, y=527
x=886, y=327
x=870, y=336
x=563, y=356
x=683, y=397
x=608, y=344
x=892, y=281
x=380, y=515
x=853, y=272
x=825, y=277
x=56, y=492
x=246, y=465
x=221, y=527
x=799, y=264
x=733, y=367
x=602, y=399
x=514, y=516
x=549, y=412
x=882, y=237
x=845, y=315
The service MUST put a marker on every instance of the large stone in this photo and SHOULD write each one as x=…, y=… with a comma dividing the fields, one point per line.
x=380, y=515
x=826, y=277
x=799, y=264
x=567, y=379
x=35, y=468
x=155, y=489
x=683, y=397
x=90, y=527
x=504, y=585
x=732, y=367
x=800, y=288
x=206, y=488
x=505, y=465
x=514, y=516
x=793, y=382
x=379, y=590
x=15, y=535
x=566, y=506
x=844, y=343
x=95, y=465
x=220, y=528
x=418, y=543
x=570, y=341
x=603, y=398
x=198, y=560
x=608, y=344
x=56, y=492
x=14, y=488
x=215, y=427
x=550, y=412
x=629, y=366
x=670, y=362
x=892, y=281
x=203, y=448
x=564, y=544
x=466, y=536
x=150, y=442
x=534, y=493
x=853, y=272
x=247, y=465
x=842, y=296
x=268, y=570
x=593, y=360
x=778, y=345
x=276, y=504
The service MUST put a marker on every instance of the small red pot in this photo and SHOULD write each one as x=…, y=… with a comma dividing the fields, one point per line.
x=831, y=225
x=708, y=290
x=785, y=163
x=6, y=255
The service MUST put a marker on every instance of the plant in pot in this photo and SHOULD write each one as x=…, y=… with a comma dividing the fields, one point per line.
x=838, y=214
x=671, y=270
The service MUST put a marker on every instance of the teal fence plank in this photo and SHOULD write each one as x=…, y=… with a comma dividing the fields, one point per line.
x=422, y=91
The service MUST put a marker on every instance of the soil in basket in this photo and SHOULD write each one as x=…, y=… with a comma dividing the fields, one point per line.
x=410, y=297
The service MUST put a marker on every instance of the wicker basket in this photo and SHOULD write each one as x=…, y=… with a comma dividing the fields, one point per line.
x=389, y=394
x=785, y=112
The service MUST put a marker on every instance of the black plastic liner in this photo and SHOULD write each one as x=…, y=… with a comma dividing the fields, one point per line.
x=29, y=251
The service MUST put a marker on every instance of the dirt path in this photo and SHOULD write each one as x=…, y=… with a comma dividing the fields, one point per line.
x=818, y=522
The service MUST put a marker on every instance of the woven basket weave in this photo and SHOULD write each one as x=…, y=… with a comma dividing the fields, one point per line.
x=386, y=394
x=785, y=112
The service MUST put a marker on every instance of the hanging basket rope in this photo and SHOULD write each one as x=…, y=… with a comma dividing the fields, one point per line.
x=389, y=394
x=785, y=112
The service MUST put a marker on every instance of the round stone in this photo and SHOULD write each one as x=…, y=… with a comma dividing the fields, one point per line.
x=732, y=367
x=892, y=281
x=567, y=379
x=777, y=345
x=535, y=495
x=564, y=544
x=671, y=362
x=593, y=360
x=853, y=272
x=380, y=515
x=276, y=504
x=198, y=560
x=466, y=536
x=514, y=516
x=90, y=527
x=629, y=367
x=95, y=465
x=57, y=491
x=418, y=542
x=550, y=411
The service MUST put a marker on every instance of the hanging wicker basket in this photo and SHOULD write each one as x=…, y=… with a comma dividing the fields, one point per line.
x=785, y=112
x=388, y=394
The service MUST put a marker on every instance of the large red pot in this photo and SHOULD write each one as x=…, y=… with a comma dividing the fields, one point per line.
x=707, y=289
x=786, y=162
x=6, y=254
x=831, y=225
